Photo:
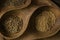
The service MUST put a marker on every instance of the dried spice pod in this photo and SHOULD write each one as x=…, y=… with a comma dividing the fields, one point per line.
x=45, y=21
x=18, y=3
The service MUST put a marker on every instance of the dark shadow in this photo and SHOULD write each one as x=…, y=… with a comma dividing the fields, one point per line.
x=2, y=3
x=57, y=2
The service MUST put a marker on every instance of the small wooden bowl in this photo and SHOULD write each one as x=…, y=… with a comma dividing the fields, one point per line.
x=14, y=22
x=47, y=21
x=14, y=4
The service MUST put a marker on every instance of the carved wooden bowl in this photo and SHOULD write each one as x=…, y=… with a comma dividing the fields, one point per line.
x=11, y=24
x=47, y=21
x=14, y=22
x=7, y=5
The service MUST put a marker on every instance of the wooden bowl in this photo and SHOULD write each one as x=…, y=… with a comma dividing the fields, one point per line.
x=46, y=21
x=14, y=22
x=8, y=5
